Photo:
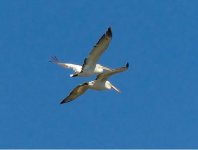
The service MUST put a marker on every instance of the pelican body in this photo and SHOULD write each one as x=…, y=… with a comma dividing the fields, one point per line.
x=97, y=85
x=90, y=66
x=100, y=83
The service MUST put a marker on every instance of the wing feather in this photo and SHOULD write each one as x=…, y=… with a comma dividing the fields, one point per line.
x=76, y=92
x=98, y=49
x=104, y=76
x=74, y=67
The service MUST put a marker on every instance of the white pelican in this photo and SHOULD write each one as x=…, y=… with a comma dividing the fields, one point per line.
x=89, y=66
x=100, y=83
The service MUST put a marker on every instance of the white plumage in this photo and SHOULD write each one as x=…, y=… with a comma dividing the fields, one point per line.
x=100, y=83
x=89, y=66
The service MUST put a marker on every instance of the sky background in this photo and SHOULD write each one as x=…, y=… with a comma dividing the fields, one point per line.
x=158, y=106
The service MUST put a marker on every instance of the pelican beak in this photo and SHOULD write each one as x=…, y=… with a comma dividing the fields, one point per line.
x=116, y=89
x=105, y=68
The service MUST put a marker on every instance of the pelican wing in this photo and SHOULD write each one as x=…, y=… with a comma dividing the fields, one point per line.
x=76, y=92
x=75, y=68
x=97, y=50
x=104, y=76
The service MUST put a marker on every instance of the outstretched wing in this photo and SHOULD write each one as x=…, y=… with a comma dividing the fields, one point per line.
x=104, y=76
x=75, y=68
x=76, y=92
x=97, y=50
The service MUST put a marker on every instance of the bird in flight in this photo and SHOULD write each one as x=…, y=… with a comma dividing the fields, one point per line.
x=89, y=66
x=100, y=83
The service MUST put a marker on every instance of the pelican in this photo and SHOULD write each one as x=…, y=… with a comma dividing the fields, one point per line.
x=100, y=83
x=89, y=66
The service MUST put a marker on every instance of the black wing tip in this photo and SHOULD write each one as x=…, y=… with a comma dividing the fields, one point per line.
x=127, y=65
x=109, y=32
x=65, y=101
x=62, y=102
x=53, y=59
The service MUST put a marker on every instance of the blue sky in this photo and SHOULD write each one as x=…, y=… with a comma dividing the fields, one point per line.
x=158, y=104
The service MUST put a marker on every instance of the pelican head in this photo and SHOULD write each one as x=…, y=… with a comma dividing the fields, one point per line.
x=111, y=86
x=116, y=89
x=101, y=68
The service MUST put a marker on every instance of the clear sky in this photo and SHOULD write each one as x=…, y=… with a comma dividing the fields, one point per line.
x=158, y=106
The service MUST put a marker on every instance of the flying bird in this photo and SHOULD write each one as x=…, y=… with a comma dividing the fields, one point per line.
x=100, y=83
x=89, y=66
